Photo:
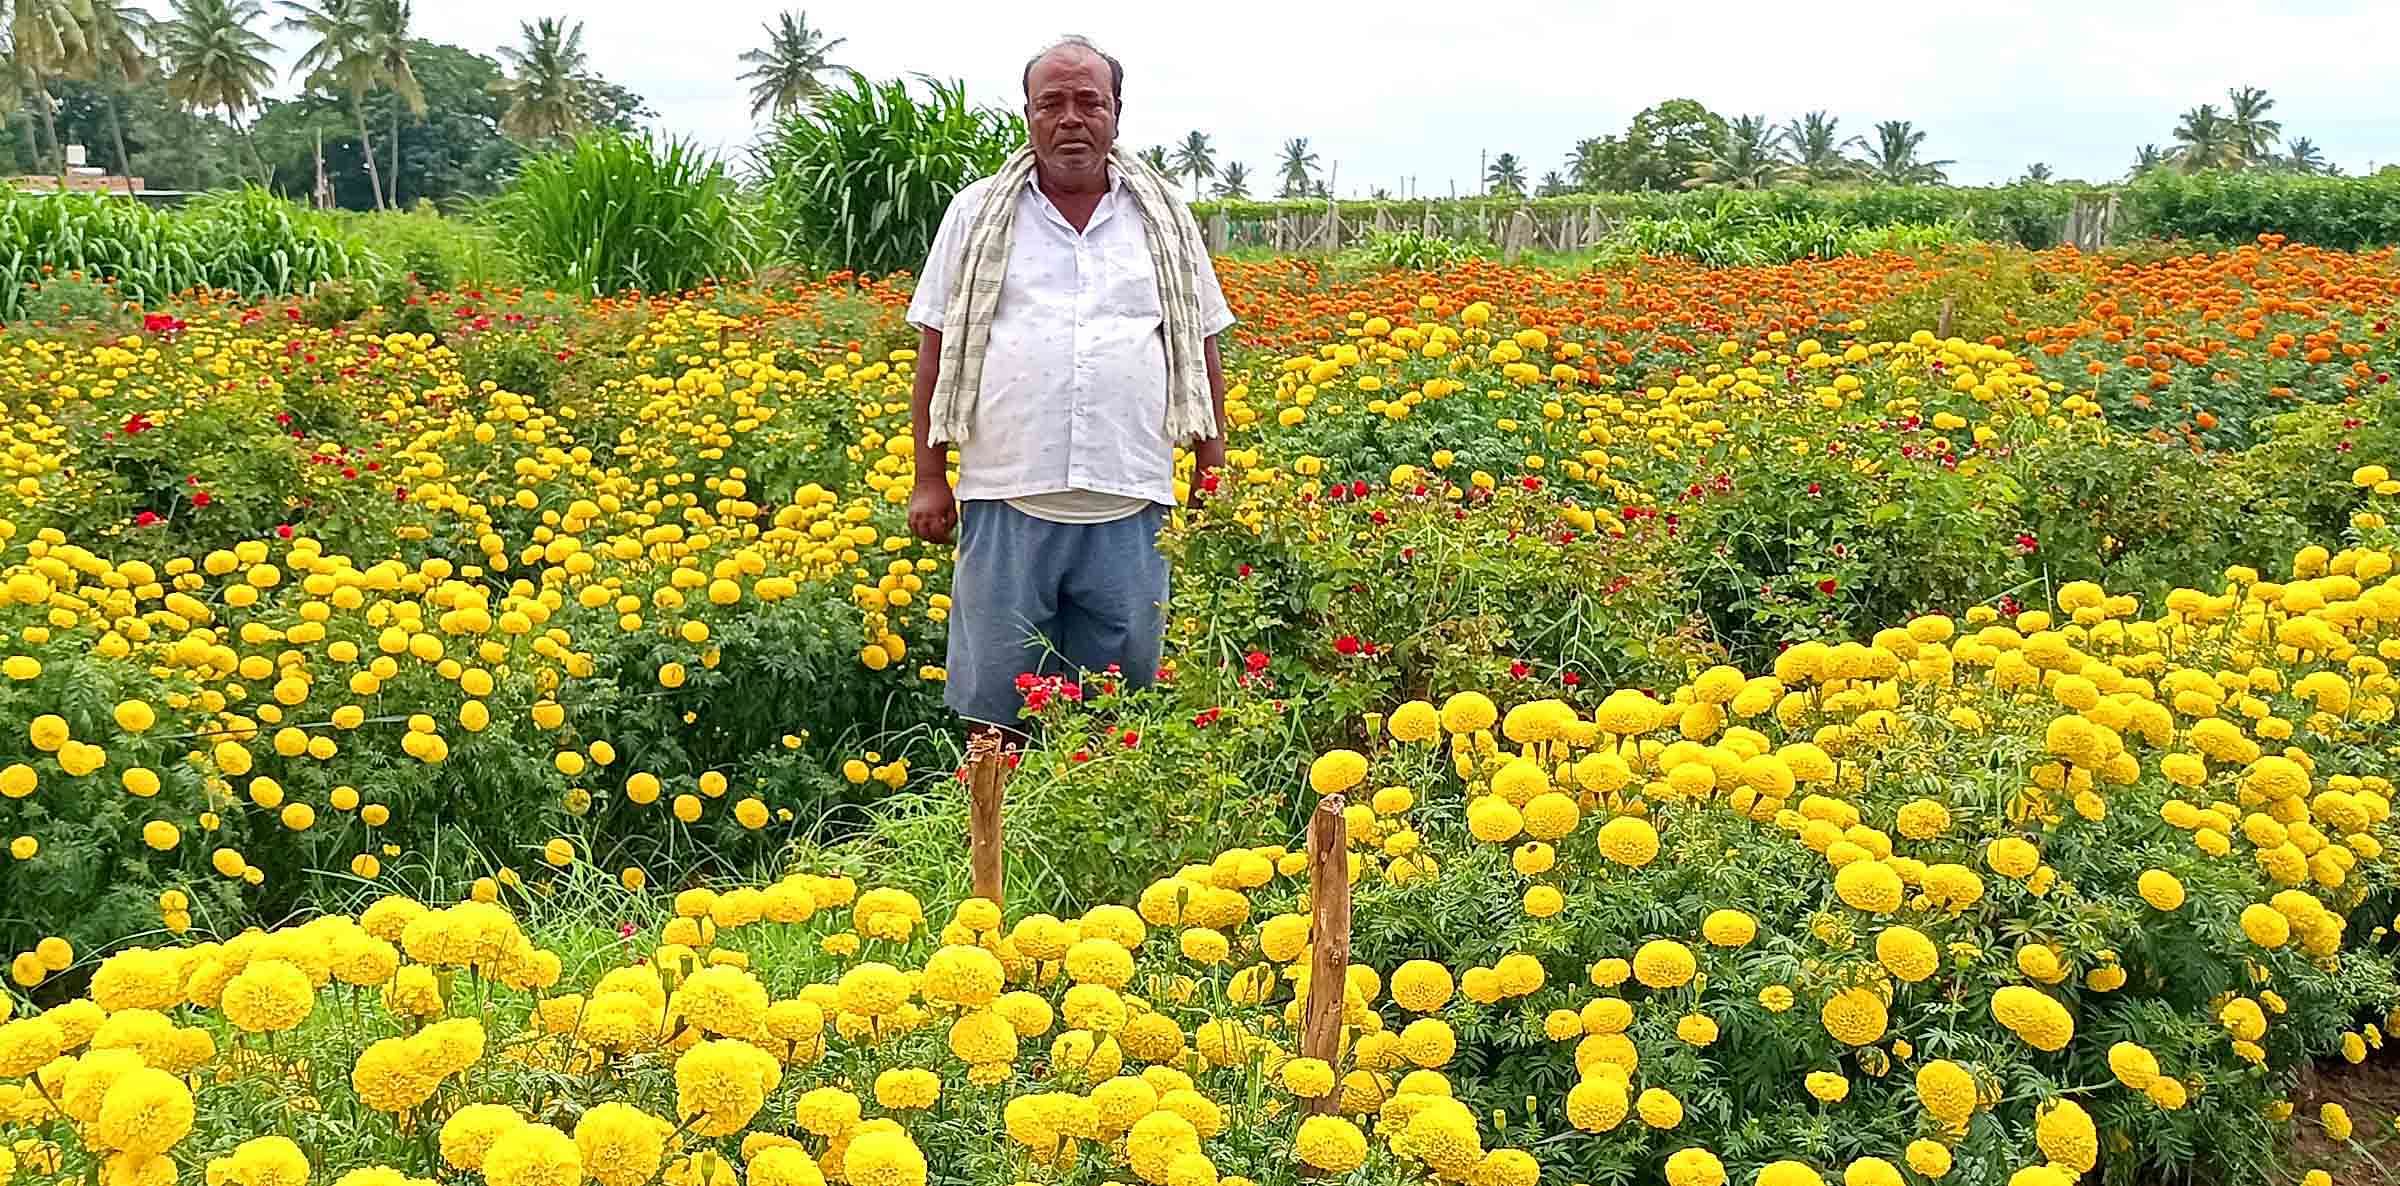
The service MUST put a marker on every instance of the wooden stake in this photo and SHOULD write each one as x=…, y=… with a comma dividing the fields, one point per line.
x=987, y=773
x=1329, y=932
x=1941, y=328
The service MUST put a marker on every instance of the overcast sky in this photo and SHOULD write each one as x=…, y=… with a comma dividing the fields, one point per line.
x=1417, y=88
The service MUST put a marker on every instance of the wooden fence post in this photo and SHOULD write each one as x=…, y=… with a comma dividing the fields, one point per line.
x=1329, y=936
x=1941, y=326
x=1220, y=233
x=987, y=773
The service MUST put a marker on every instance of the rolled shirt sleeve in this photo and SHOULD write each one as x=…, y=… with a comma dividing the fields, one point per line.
x=1215, y=316
x=927, y=304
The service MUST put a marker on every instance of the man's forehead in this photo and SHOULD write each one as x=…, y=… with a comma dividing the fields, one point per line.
x=1070, y=66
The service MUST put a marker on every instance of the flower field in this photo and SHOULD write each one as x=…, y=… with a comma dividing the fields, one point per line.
x=499, y=738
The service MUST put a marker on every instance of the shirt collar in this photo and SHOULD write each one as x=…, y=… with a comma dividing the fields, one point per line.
x=1116, y=180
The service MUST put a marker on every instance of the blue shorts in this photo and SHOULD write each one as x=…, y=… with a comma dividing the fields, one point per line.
x=1030, y=595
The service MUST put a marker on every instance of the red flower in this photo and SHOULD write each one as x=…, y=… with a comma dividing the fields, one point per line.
x=1130, y=739
x=1346, y=645
x=1255, y=661
x=1081, y=755
x=1243, y=571
x=137, y=424
x=283, y=531
x=202, y=499
x=146, y=519
x=1206, y=717
x=1208, y=484
x=1518, y=669
x=1358, y=489
x=1827, y=586
x=1570, y=679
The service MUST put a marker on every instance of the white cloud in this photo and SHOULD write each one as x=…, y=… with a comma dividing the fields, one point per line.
x=1417, y=88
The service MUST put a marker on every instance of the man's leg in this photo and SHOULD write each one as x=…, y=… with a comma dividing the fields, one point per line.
x=1004, y=606
x=1113, y=607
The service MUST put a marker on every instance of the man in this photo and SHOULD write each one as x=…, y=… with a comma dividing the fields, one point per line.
x=1069, y=317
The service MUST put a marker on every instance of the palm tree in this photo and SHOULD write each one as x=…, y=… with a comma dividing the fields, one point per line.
x=1196, y=158
x=50, y=42
x=1893, y=158
x=1813, y=144
x=1587, y=165
x=2207, y=140
x=214, y=59
x=1553, y=184
x=2252, y=130
x=1155, y=156
x=343, y=57
x=1233, y=181
x=2301, y=155
x=1505, y=176
x=119, y=35
x=2037, y=172
x=388, y=24
x=1298, y=164
x=546, y=97
x=2147, y=158
x=783, y=75
x=1746, y=159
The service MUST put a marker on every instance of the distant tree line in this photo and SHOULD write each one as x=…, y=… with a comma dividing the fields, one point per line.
x=1681, y=144
x=181, y=101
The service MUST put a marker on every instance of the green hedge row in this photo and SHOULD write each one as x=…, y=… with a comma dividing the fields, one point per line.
x=2342, y=212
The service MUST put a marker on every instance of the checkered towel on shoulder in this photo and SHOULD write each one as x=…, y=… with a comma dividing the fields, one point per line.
x=1177, y=252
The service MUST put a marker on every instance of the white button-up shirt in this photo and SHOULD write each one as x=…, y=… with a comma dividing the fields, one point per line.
x=1074, y=390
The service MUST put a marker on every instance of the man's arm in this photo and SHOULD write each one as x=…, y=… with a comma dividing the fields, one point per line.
x=932, y=508
x=1208, y=455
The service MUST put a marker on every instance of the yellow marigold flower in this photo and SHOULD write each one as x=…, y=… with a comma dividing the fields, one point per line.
x=1629, y=841
x=1414, y=721
x=1467, y=712
x=1330, y=1144
x=1828, y=1087
x=2161, y=889
x=1855, y=1016
x=2067, y=1136
x=1694, y=1166
x=1728, y=928
x=1663, y=964
x=1930, y=1158
x=1659, y=1108
x=2033, y=1016
x=1337, y=771
x=1907, y=953
x=1788, y=1173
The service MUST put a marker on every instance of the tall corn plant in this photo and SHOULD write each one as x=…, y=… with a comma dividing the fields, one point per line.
x=613, y=212
x=859, y=180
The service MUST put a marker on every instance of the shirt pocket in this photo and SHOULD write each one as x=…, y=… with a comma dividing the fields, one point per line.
x=1133, y=282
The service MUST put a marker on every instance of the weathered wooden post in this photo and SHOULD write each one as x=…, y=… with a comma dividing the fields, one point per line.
x=987, y=773
x=1329, y=935
x=1517, y=236
x=1220, y=232
x=1941, y=325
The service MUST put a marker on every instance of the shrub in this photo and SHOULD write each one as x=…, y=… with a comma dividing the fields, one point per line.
x=858, y=181
x=1413, y=250
x=2340, y=212
x=245, y=241
x=439, y=252
x=615, y=211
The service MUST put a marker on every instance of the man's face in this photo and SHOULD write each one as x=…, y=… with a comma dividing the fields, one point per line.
x=1070, y=111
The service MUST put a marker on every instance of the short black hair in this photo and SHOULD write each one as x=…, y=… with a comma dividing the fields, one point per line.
x=1116, y=69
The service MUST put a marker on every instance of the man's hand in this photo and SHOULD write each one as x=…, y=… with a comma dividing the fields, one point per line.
x=932, y=509
x=1208, y=469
